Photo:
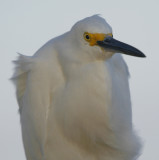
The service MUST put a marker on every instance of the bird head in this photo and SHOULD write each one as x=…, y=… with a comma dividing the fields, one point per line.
x=96, y=39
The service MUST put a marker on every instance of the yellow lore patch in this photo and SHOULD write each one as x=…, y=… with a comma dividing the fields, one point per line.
x=92, y=38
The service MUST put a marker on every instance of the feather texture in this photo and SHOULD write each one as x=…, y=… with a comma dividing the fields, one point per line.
x=75, y=100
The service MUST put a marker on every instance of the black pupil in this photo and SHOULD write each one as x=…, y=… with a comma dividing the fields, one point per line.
x=87, y=36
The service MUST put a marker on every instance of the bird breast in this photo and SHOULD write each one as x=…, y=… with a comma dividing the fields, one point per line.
x=83, y=102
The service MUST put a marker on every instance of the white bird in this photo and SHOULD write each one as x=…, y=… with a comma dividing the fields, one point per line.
x=74, y=97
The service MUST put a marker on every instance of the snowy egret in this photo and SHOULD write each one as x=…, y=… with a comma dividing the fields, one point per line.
x=74, y=98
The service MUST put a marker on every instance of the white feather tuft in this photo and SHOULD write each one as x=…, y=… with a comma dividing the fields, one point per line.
x=22, y=67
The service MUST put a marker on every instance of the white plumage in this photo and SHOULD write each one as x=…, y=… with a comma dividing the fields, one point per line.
x=74, y=99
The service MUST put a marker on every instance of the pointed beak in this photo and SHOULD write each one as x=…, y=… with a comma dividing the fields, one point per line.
x=113, y=44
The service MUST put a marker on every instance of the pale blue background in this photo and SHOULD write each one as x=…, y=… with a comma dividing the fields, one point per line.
x=25, y=25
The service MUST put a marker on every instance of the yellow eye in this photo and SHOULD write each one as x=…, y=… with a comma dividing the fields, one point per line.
x=87, y=36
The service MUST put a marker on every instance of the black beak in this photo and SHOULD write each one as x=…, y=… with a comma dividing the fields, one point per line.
x=113, y=44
